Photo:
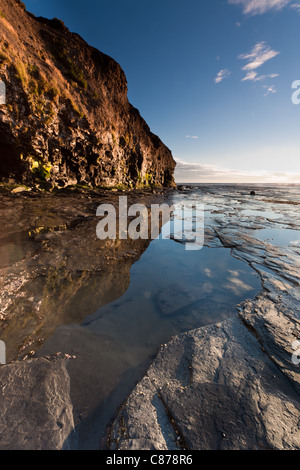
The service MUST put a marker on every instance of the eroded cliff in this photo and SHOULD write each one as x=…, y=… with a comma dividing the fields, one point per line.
x=67, y=119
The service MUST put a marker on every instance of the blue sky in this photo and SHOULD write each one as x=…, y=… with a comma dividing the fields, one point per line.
x=212, y=78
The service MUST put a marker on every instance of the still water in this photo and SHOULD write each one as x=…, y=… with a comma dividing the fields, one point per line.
x=279, y=236
x=171, y=291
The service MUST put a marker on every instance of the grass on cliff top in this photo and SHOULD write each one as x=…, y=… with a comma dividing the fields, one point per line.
x=4, y=58
x=41, y=90
x=73, y=71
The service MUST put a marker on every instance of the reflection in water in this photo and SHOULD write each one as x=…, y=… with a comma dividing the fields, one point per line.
x=171, y=291
x=279, y=236
x=14, y=248
x=62, y=273
x=54, y=270
x=261, y=213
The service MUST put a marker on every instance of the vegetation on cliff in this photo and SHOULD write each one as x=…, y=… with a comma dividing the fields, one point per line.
x=67, y=119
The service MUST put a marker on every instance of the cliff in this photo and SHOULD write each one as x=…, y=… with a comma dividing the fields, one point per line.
x=67, y=119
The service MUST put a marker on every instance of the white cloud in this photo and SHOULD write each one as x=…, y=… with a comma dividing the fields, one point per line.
x=258, y=7
x=251, y=76
x=224, y=73
x=204, y=173
x=296, y=6
x=237, y=286
x=233, y=273
x=254, y=77
x=259, y=55
x=208, y=273
x=192, y=137
x=270, y=90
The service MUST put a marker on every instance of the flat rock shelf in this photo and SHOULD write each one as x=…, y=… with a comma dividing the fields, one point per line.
x=233, y=385
x=157, y=347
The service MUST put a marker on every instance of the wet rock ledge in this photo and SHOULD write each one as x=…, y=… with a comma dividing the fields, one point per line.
x=234, y=385
x=231, y=385
x=36, y=410
x=210, y=389
x=53, y=271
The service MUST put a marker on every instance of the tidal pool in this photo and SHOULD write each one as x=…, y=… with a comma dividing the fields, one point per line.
x=14, y=248
x=171, y=291
x=279, y=236
x=260, y=213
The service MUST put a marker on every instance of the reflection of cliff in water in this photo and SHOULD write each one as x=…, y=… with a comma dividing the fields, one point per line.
x=172, y=290
x=54, y=270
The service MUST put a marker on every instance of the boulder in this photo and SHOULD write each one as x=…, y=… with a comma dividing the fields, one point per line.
x=210, y=389
x=35, y=407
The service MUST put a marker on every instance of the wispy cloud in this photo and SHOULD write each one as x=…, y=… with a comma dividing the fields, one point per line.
x=258, y=7
x=270, y=90
x=205, y=172
x=192, y=136
x=258, y=56
x=224, y=73
x=237, y=286
x=254, y=77
x=296, y=6
x=200, y=172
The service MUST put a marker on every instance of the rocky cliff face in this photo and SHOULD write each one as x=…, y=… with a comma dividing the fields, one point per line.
x=67, y=119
